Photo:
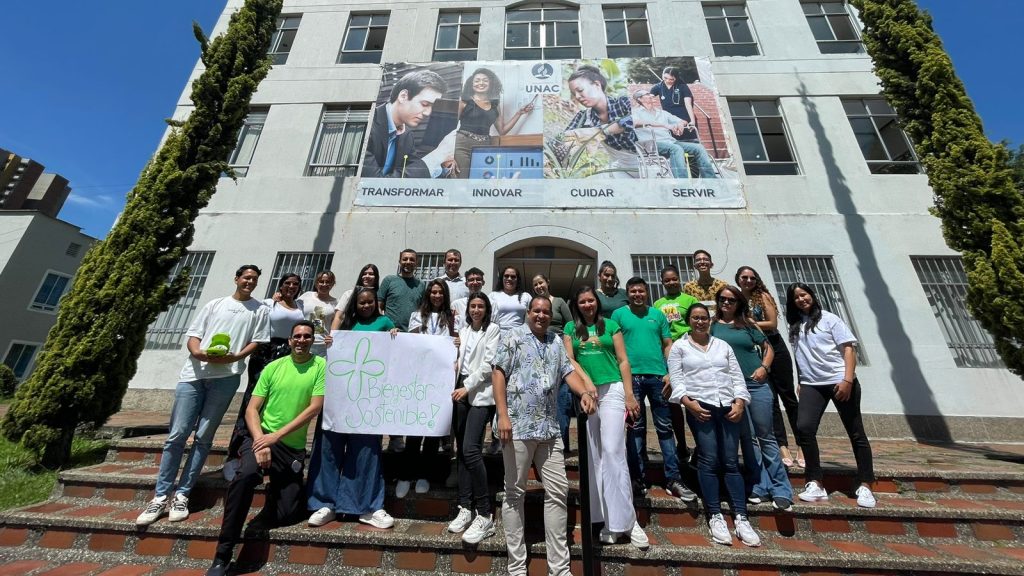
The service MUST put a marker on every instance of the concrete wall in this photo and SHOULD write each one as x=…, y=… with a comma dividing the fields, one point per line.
x=869, y=224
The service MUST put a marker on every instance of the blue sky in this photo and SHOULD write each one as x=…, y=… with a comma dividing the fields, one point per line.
x=87, y=85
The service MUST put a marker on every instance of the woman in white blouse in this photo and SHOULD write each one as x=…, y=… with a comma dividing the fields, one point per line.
x=509, y=299
x=706, y=379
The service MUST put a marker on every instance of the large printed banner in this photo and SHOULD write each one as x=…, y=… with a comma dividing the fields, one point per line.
x=379, y=384
x=627, y=132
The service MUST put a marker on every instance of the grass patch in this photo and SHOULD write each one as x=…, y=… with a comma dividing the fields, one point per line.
x=23, y=483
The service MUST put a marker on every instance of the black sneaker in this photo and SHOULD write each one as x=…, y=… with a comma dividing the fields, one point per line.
x=677, y=489
x=639, y=488
x=218, y=568
x=784, y=504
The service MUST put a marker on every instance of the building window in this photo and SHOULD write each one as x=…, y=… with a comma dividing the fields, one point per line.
x=884, y=144
x=458, y=35
x=51, y=290
x=730, y=30
x=648, y=267
x=764, y=141
x=819, y=273
x=626, y=31
x=430, y=265
x=542, y=31
x=284, y=36
x=338, y=143
x=945, y=284
x=364, y=41
x=833, y=27
x=19, y=358
x=167, y=331
x=248, y=137
x=306, y=264
x=73, y=249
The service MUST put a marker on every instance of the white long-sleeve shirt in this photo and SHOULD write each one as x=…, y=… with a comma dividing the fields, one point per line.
x=712, y=376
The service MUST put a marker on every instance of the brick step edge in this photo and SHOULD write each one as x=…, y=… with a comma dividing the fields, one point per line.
x=198, y=542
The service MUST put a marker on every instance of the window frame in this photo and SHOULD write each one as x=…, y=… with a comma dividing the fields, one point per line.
x=648, y=267
x=345, y=115
x=834, y=41
x=30, y=366
x=831, y=294
x=306, y=264
x=456, y=54
x=728, y=19
x=280, y=31
x=628, y=49
x=45, y=307
x=257, y=117
x=969, y=344
x=167, y=332
x=429, y=265
x=570, y=50
x=878, y=166
x=757, y=167
x=364, y=56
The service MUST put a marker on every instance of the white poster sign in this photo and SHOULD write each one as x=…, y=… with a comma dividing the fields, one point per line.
x=379, y=384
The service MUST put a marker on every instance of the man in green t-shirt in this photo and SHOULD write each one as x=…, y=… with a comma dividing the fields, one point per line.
x=645, y=331
x=674, y=305
x=289, y=393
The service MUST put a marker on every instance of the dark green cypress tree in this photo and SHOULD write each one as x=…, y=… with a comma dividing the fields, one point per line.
x=980, y=205
x=92, y=351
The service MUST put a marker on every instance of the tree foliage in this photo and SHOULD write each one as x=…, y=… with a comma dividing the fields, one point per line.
x=8, y=381
x=976, y=196
x=92, y=351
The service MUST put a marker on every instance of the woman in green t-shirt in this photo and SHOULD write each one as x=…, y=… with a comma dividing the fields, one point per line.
x=595, y=348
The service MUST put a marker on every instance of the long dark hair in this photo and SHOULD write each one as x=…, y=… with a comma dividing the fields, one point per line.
x=445, y=316
x=487, y=309
x=615, y=271
x=351, y=318
x=581, y=331
x=793, y=314
x=493, y=90
x=500, y=284
x=591, y=74
x=760, y=294
x=741, y=317
x=376, y=276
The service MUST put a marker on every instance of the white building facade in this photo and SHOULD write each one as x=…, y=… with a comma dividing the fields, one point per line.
x=832, y=194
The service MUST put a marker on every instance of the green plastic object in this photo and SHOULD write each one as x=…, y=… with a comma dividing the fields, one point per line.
x=219, y=345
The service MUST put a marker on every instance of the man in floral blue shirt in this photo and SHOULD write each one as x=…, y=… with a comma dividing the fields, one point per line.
x=528, y=368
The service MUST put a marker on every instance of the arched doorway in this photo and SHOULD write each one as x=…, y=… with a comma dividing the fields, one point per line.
x=567, y=268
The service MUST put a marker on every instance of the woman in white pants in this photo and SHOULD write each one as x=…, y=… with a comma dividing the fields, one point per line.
x=595, y=348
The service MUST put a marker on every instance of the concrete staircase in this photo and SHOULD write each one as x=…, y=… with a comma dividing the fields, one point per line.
x=941, y=510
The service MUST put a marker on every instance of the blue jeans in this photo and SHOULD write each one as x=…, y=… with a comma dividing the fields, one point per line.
x=648, y=386
x=565, y=412
x=345, y=473
x=774, y=480
x=718, y=452
x=199, y=407
x=678, y=151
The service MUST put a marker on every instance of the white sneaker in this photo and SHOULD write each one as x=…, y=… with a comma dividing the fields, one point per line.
x=179, y=508
x=482, y=527
x=720, y=530
x=745, y=532
x=378, y=519
x=154, y=510
x=396, y=444
x=638, y=538
x=608, y=537
x=865, y=499
x=321, y=517
x=402, y=489
x=461, y=521
x=813, y=492
x=422, y=486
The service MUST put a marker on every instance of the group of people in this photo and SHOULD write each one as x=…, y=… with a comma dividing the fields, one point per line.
x=707, y=354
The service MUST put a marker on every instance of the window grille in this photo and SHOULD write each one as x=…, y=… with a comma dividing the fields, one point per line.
x=306, y=264
x=648, y=267
x=167, y=331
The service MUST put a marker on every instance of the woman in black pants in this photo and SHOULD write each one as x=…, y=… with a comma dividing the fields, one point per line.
x=826, y=360
x=766, y=316
x=474, y=408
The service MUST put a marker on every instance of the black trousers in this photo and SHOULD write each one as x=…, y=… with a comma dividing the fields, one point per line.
x=417, y=463
x=285, y=497
x=813, y=401
x=470, y=422
x=781, y=382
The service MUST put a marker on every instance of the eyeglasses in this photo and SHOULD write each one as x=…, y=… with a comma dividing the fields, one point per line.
x=748, y=278
x=302, y=336
x=699, y=319
x=726, y=300
x=510, y=276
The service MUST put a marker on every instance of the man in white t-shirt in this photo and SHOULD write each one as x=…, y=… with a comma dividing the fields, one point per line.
x=474, y=283
x=206, y=386
x=456, y=284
